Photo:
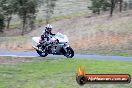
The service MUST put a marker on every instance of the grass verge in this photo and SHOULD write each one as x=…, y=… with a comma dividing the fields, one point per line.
x=103, y=53
x=59, y=73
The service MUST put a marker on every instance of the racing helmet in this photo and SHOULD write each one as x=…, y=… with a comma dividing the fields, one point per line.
x=48, y=28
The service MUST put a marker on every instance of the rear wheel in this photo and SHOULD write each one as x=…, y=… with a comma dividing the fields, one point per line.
x=69, y=53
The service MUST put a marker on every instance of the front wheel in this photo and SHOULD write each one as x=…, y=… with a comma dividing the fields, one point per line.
x=42, y=54
x=69, y=53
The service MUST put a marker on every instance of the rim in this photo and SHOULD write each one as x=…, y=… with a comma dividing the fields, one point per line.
x=69, y=53
x=42, y=53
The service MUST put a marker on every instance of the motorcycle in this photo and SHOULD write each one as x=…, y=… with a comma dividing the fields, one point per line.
x=58, y=46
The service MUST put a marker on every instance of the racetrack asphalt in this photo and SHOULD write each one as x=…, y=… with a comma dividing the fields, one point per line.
x=78, y=56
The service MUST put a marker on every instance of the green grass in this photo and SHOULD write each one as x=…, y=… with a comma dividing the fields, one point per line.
x=54, y=73
x=126, y=55
x=104, y=53
x=115, y=54
x=120, y=54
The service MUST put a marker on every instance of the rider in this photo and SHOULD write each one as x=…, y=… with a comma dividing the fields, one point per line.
x=46, y=35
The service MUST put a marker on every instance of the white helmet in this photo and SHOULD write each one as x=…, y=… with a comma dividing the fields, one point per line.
x=48, y=26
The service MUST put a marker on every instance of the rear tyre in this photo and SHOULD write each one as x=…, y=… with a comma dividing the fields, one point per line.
x=69, y=53
x=42, y=54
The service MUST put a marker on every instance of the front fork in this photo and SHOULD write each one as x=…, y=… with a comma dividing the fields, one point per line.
x=65, y=46
x=41, y=47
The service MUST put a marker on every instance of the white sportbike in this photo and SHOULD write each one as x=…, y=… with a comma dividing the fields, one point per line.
x=58, y=46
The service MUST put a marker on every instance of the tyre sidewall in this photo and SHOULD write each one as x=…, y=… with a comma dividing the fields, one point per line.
x=71, y=52
x=41, y=53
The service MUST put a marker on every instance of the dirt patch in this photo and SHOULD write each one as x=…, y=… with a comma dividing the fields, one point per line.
x=15, y=60
x=99, y=40
x=22, y=49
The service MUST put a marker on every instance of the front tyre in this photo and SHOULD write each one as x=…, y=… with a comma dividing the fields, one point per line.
x=69, y=53
x=42, y=54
